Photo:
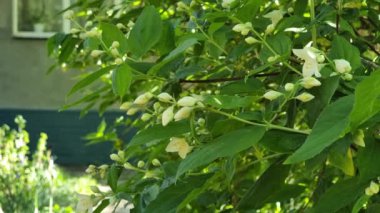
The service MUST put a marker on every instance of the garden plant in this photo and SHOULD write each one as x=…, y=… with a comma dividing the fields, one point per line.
x=240, y=105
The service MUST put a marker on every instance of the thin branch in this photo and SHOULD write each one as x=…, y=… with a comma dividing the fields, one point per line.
x=216, y=80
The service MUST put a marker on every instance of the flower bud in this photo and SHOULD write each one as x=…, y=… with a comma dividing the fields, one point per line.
x=167, y=116
x=156, y=162
x=289, y=87
x=74, y=30
x=120, y=26
x=201, y=121
x=270, y=28
x=251, y=40
x=359, y=138
x=290, y=10
x=165, y=97
x=121, y=154
x=68, y=14
x=187, y=101
x=115, y=44
x=116, y=158
x=146, y=117
x=305, y=97
x=127, y=165
x=347, y=76
x=157, y=107
x=96, y=53
x=115, y=52
x=368, y=191
x=272, y=95
x=103, y=167
x=91, y=169
x=140, y=164
x=342, y=66
x=374, y=187
x=143, y=99
x=133, y=111
x=130, y=24
x=272, y=58
x=227, y=3
x=309, y=82
x=88, y=24
x=183, y=113
x=118, y=61
x=320, y=58
x=126, y=105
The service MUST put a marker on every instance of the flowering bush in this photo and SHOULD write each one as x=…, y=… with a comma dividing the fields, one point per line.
x=32, y=183
x=241, y=104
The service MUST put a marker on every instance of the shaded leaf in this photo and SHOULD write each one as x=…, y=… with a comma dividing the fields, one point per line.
x=328, y=128
x=226, y=145
x=121, y=79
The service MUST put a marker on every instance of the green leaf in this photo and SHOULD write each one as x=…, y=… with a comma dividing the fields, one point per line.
x=251, y=86
x=328, y=128
x=121, y=79
x=89, y=79
x=146, y=32
x=359, y=204
x=229, y=101
x=173, y=54
x=280, y=43
x=224, y=146
x=280, y=141
x=339, y=195
x=168, y=199
x=111, y=33
x=113, y=176
x=68, y=46
x=270, y=187
x=343, y=161
x=367, y=100
x=324, y=93
x=102, y=206
x=158, y=133
x=249, y=10
x=342, y=49
x=166, y=43
x=368, y=159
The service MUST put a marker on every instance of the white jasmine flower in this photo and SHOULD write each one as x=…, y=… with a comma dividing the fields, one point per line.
x=243, y=28
x=143, y=99
x=227, y=3
x=342, y=66
x=275, y=16
x=309, y=82
x=183, y=113
x=272, y=95
x=84, y=204
x=309, y=55
x=187, y=101
x=305, y=97
x=251, y=40
x=167, y=116
x=165, y=97
x=179, y=145
x=96, y=53
x=289, y=87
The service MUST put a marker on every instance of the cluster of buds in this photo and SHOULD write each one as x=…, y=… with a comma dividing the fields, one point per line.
x=290, y=89
x=93, y=170
x=372, y=189
x=119, y=157
x=182, y=7
x=167, y=114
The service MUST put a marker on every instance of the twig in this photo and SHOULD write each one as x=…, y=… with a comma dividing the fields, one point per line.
x=216, y=80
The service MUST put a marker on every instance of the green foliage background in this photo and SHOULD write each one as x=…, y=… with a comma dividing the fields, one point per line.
x=250, y=149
